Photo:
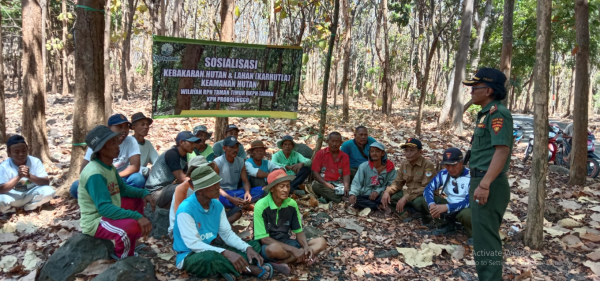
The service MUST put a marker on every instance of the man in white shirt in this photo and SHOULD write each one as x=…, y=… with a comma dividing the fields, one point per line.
x=128, y=162
x=140, y=124
x=23, y=179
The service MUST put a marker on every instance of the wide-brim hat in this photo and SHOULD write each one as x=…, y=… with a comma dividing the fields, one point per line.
x=276, y=177
x=202, y=128
x=203, y=177
x=286, y=138
x=257, y=144
x=140, y=116
x=97, y=138
x=196, y=162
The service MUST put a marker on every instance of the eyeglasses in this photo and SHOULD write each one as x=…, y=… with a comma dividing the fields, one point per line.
x=455, y=189
x=480, y=87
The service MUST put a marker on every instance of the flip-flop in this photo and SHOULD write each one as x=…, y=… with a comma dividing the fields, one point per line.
x=281, y=268
x=143, y=249
x=227, y=277
x=263, y=275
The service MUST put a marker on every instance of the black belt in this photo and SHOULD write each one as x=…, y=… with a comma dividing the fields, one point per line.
x=477, y=173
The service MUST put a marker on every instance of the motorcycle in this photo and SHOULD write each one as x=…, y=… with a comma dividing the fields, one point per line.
x=518, y=133
x=553, y=131
x=593, y=167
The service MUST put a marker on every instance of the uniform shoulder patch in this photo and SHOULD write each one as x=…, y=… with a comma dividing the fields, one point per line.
x=428, y=173
x=494, y=109
x=497, y=124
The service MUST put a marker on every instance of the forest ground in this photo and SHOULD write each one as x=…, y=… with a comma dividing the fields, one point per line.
x=572, y=236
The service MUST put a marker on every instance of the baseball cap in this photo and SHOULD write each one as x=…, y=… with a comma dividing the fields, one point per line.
x=493, y=78
x=203, y=177
x=230, y=141
x=378, y=145
x=117, y=119
x=452, y=156
x=202, y=128
x=186, y=136
x=97, y=138
x=231, y=127
x=14, y=140
x=412, y=143
x=140, y=116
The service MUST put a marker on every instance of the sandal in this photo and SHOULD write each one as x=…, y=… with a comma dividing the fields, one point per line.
x=263, y=275
x=143, y=249
x=227, y=277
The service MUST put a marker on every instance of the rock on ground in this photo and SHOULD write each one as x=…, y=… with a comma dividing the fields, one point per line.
x=558, y=169
x=160, y=221
x=304, y=150
x=312, y=232
x=131, y=268
x=74, y=256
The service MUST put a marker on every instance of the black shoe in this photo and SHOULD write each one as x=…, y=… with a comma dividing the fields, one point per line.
x=447, y=229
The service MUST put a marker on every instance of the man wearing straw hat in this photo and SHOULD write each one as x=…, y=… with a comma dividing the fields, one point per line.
x=199, y=219
x=293, y=162
x=274, y=217
x=257, y=167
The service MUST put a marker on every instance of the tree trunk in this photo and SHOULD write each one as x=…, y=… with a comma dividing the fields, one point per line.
x=34, y=94
x=89, y=81
x=480, y=34
x=424, y=86
x=323, y=121
x=461, y=63
x=65, y=22
x=526, y=106
x=534, y=236
x=578, y=172
x=272, y=24
x=348, y=20
x=507, y=39
x=125, y=57
x=190, y=60
x=108, y=99
x=44, y=7
x=177, y=7
x=227, y=24
x=2, y=105
x=445, y=112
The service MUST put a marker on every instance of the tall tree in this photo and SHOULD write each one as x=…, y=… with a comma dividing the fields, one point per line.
x=89, y=79
x=226, y=33
x=507, y=48
x=65, y=21
x=108, y=99
x=384, y=55
x=348, y=15
x=534, y=236
x=34, y=94
x=460, y=65
x=578, y=173
x=2, y=106
x=125, y=50
x=481, y=26
x=323, y=121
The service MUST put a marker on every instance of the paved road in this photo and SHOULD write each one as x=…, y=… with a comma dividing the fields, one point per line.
x=527, y=122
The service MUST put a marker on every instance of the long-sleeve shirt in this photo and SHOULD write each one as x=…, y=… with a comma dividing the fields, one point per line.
x=265, y=166
x=279, y=159
x=456, y=200
x=415, y=177
x=196, y=227
x=100, y=191
x=368, y=179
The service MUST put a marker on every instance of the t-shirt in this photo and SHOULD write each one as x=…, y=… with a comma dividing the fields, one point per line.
x=182, y=192
x=100, y=191
x=162, y=170
x=218, y=150
x=265, y=166
x=207, y=153
x=276, y=222
x=569, y=130
x=148, y=154
x=356, y=158
x=9, y=170
x=329, y=168
x=128, y=148
x=295, y=158
x=230, y=172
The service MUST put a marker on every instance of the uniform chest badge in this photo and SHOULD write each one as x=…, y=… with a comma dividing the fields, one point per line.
x=428, y=173
x=497, y=124
x=481, y=125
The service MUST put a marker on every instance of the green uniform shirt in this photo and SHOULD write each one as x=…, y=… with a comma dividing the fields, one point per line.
x=276, y=222
x=493, y=127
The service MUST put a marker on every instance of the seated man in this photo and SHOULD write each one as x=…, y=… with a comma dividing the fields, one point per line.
x=231, y=131
x=415, y=172
x=257, y=167
x=202, y=148
x=358, y=149
x=294, y=163
x=372, y=178
x=331, y=170
x=23, y=179
x=454, y=181
x=169, y=169
x=127, y=162
x=200, y=218
x=111, y=209
x=274, y=217
x=140, y=124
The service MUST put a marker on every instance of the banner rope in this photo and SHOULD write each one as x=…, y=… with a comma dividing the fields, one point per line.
x=86, y=8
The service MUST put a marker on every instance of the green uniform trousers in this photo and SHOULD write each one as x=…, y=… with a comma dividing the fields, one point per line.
x=463, y=216
x=419, y=204
x=209, y=263
x=486, y=220
x=325, y=192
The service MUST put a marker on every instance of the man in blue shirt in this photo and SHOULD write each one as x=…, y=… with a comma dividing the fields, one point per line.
x=358, y=148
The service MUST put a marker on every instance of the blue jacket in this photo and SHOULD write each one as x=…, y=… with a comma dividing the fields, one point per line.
x=456, y=201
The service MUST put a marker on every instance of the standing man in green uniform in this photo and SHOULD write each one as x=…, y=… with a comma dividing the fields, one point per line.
x=490, y=157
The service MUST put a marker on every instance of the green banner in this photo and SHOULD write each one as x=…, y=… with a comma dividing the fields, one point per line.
x=197, y=78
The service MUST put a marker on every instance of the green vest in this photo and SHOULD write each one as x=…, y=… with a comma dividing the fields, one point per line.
x=493, y=127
